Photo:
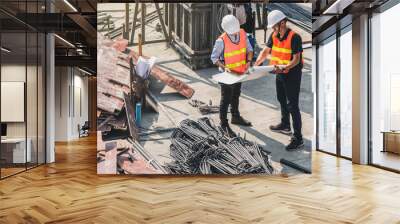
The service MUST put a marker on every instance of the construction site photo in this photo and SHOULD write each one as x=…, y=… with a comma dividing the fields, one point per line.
x=204, y=88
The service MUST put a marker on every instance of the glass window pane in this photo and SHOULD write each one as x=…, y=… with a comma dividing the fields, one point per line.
x=23, y=85
x=346, y=94
x=41, y=98
x=327, y=96
x=13, y=87
x=385, y=89
x=31, y=97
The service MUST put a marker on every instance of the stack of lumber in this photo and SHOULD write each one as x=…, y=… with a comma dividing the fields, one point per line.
x=117, y=91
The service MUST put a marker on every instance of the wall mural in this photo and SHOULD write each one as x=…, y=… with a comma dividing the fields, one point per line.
x=188, y=88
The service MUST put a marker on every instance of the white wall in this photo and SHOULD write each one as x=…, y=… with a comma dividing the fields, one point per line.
x=14, y=73
x=33, y=126
x=11, y=73
x=61, y=103
x=70, y=83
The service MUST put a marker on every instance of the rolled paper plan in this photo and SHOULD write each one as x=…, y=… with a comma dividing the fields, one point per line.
x=253, y=73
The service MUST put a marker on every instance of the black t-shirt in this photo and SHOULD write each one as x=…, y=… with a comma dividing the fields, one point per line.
x=249, y=25
x=297, y=47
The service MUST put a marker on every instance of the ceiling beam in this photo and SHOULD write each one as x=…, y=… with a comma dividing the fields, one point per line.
x=223, y=1
x=81, y=61
x=337, y=7
x=84, y=24
x=320, y=22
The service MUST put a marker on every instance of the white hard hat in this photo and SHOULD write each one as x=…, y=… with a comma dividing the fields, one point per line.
x=275, y=17
x=230, y=24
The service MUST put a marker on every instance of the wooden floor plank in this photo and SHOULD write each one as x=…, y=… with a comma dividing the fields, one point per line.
x=70, y=191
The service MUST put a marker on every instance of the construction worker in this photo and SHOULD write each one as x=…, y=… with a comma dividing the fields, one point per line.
x=232, y=52
x=244, y=13
x=285, y=48
x=249, y=23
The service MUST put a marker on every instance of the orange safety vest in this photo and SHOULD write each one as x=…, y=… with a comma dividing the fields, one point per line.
x=235, y=54
x=281, y=52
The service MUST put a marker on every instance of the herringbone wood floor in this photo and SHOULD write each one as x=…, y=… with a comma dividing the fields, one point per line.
x=70, y=191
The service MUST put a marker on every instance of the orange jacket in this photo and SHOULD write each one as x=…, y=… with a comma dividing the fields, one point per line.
x=281, y=52
x=235, y=54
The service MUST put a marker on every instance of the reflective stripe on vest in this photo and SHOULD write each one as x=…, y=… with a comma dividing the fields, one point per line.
x=235, y=65
x=281, y=52
x=235, y=54
x=279, y=61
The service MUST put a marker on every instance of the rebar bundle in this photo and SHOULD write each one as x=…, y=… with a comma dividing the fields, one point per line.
x=200, y=147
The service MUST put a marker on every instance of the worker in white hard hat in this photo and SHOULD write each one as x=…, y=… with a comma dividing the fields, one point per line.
x=232, y=52
x=285, y=48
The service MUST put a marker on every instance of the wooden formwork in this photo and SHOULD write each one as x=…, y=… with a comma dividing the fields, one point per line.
x=193, y=30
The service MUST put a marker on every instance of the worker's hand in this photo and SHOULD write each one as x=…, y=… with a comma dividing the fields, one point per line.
x=228, y=70
x=247, y=66
x=258, y=62
x=280, y=70
x=277, y=70
x=285, y=70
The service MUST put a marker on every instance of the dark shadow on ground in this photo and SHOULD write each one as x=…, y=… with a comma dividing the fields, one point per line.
x=278, y=151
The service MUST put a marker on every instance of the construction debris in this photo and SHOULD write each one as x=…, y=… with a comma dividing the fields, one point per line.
x=146, y=131
x=130, y=111
x=164, y=76
x=122, y=157
x=113, y=60
x=203, y=107
x=113, y=90
x=120, y=88
x=115, y=32
x=200, y=147
x=104, y=22
x=113, y=79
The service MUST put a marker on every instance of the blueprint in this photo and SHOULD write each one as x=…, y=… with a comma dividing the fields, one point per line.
x=255, y=72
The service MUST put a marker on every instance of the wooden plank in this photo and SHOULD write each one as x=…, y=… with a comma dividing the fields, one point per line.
x=134, y=22
x=133, y=162
x=162, y=22
x=107, y=151
x=112, y=89
x=143, y=22
x=130, y=115
x=109, y=103
x=120, y=75
x=110, y=157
